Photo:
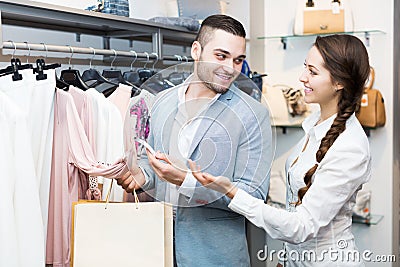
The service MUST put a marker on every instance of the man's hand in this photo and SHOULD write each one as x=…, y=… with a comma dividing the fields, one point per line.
x=130, y=181
x=220, y=183
x=172, y=171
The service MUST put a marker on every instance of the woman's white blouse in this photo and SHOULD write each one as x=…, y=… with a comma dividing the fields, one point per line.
x=323, y=220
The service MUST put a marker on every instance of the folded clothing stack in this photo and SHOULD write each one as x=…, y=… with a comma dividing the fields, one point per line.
x=189, y=23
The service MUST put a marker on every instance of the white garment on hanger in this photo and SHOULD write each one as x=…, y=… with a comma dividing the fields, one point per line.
x=21, y=228
x=41, y=115
x=35, y=99
x=115, y=150
x=109, y=140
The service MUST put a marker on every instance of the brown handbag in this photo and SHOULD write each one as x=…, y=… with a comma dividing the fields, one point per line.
x=372, y=109
x=321, y=17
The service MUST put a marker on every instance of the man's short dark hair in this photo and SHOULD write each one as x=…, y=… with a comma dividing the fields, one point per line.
x=219, y=22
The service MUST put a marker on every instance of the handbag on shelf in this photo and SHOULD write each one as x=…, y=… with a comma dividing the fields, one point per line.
x=285, y=104
x=323, y=16
x=371, y=113
x=121, y=234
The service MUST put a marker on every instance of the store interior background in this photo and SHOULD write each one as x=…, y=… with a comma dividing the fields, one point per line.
x=263, y=18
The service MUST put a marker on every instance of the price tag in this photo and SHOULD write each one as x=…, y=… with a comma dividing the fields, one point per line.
x=364, y=100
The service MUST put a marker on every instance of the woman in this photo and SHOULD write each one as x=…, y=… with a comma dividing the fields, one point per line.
x=327, y=168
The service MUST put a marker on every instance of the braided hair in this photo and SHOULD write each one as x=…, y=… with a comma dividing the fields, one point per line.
x=346, y=59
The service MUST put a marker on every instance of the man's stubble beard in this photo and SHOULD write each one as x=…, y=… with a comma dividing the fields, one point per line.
x=202, y=72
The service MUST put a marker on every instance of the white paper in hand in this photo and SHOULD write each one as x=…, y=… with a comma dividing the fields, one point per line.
x=146, y=145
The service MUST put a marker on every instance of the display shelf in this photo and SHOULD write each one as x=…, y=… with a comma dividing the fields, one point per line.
x=284, y=38
x=53, y=17
x=373, y=219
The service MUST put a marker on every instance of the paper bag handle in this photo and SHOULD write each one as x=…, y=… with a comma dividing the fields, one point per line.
x=109, y=192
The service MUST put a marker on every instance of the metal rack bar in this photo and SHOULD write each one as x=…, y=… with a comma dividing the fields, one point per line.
x=82, y=50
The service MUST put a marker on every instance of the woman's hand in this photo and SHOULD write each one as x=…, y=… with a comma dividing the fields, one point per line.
x=220, y=183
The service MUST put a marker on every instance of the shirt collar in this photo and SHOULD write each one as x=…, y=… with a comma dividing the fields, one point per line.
x=320, y=130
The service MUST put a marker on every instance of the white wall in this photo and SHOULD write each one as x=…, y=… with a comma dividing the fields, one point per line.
x=285, y=66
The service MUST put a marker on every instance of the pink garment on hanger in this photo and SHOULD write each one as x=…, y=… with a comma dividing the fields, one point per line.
x=83, y=105
x=71, y=153
x=120, y=98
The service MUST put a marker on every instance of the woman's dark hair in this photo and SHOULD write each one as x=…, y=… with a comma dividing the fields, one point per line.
x=219, y=22
x=346, y=59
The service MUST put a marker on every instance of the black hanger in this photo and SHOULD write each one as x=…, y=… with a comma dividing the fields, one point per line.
x=60, y=84
x=177, y=77
x=15, y=66
x=145, y=73
x=73, y=76
x=41, y=67
x=114, y=75
x=14, y=69
x=157, y=84
x=131, y=75
x=18, y=66
x=94, y=75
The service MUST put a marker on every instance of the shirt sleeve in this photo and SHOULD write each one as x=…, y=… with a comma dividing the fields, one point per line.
x=188, y=186
x=334, y=184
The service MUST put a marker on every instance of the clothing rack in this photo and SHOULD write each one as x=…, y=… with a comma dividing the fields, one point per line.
x=90, y=51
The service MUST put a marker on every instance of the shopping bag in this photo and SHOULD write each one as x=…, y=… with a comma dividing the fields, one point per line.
x=122, y=234
x=372, y=109
x=322, y=16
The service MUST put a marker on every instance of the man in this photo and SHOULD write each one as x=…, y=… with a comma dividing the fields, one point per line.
x=210, y=121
